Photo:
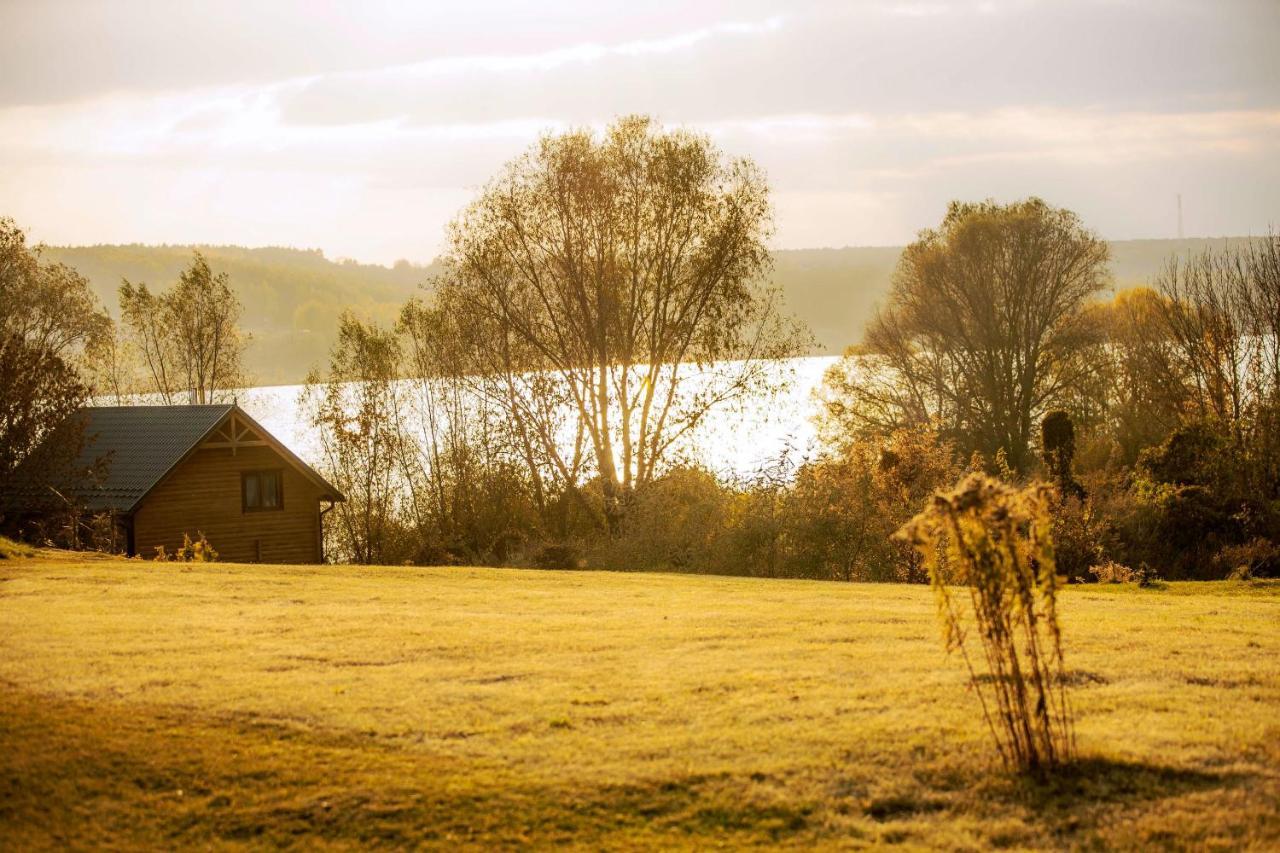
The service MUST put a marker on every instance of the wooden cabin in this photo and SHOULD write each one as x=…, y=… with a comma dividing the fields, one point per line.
x=170, y=470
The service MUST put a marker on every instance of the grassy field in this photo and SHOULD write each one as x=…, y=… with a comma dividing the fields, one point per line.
x=149, y=705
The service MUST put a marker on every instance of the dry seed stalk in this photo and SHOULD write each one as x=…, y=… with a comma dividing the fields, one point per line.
x=995, y=541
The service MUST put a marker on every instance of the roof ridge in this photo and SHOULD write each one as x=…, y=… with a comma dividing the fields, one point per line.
x=142, y=445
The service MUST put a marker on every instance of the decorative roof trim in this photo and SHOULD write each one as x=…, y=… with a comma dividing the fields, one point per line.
x=331, y=494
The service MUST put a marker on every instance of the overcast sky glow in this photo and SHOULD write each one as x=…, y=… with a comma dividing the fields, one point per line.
x=361, y=128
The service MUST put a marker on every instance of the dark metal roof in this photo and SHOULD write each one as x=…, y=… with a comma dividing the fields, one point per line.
x=135, y=447
x=139, y=445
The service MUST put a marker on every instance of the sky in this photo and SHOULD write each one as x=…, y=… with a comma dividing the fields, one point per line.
x=363, y=128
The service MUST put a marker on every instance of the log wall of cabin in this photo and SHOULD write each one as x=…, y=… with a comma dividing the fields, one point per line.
x=203, y=495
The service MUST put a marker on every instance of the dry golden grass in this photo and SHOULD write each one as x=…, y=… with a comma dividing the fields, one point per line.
x=149, y=705
x=10, y=550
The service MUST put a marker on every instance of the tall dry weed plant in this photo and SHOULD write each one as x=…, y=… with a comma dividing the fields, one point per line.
x=995, y=541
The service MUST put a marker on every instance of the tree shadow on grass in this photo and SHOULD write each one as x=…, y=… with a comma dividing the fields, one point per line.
x=1106, y=780
x=1076, y=798
x=153, y=777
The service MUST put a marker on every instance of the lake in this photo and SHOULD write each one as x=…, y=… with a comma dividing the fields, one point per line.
x=733, y=444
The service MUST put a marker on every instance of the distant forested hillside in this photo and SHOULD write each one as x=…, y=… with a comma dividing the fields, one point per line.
x=292, y=297
x=835, y=291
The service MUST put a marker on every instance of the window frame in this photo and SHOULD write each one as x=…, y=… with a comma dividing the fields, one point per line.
x=278, y=473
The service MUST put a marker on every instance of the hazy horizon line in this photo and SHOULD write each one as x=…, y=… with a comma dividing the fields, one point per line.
x=341, y=259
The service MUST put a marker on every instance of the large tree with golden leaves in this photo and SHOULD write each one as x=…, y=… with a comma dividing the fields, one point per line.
x=984, y=329
x=628, y=271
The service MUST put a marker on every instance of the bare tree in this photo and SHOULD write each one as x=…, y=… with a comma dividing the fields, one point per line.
x=1207, y=312
x=1139, y=392
x=617, y=268
x=115, y=368
x=467, y=477
x=189, y=337
x=983, y=331
x=1264, y=304
x=355, y=410
x=1263, y=263
x=1222, y=312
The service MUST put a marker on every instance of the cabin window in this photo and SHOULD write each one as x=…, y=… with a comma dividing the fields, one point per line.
x=262, y=490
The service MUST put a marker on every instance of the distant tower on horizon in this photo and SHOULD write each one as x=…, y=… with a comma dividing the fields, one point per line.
x=1179, y=216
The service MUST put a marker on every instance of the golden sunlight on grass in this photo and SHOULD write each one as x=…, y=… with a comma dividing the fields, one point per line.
x=156, y=705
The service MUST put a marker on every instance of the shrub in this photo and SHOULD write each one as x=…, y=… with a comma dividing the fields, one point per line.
x=558, y=556
x=755, y=540
x=1256, y=558
x=996, y=541
x=674, y=523
x=1190, y=456
x=1149, y=578
x=1193, y=525
x=843, y=510
x=1113, y=572
x=1195, y=509
x=70, y=527
x=198, y=551
x=1078, y=536
x=836, y=529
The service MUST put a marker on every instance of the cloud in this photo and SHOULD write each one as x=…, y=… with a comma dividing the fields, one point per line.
x=867, y=118
x=839, y=179
x=81, y=49
x=577, y=83
x=837, y=60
